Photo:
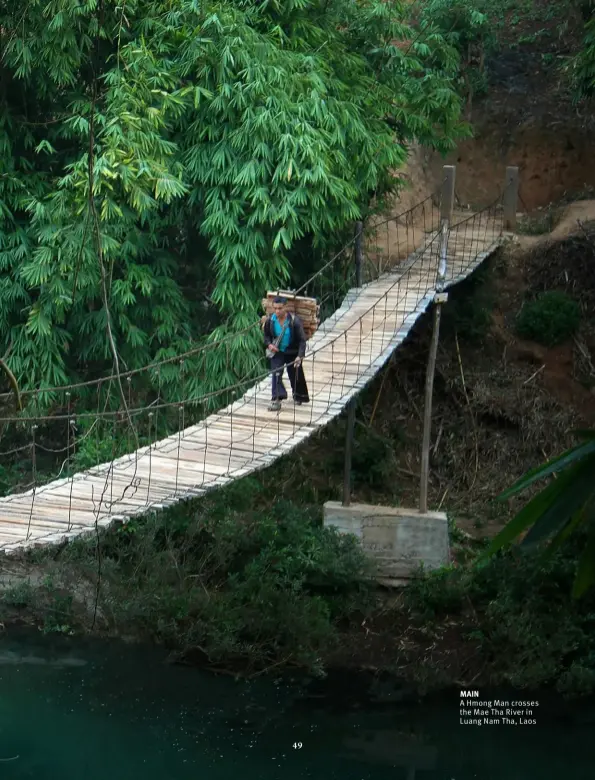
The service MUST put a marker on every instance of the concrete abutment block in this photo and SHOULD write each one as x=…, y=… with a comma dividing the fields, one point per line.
x=399, y=540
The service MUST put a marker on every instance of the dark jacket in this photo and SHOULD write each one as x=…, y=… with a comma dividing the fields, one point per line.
x=297, y=340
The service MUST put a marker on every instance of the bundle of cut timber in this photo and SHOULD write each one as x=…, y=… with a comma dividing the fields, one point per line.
x=307, y=309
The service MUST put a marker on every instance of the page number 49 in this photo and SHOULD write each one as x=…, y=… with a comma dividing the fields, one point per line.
x=297, y=745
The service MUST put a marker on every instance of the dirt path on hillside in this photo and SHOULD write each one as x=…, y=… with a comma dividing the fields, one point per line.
x=579, y=211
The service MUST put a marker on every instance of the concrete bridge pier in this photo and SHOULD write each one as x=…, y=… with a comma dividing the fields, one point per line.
x=399, y=541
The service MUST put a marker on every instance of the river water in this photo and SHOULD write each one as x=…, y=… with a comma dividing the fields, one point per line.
x=78, y=710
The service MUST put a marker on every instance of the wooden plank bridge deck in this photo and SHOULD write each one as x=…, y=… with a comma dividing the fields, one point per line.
x=348, y=349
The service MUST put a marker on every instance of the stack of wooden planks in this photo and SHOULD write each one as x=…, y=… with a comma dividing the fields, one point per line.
x=307, y=309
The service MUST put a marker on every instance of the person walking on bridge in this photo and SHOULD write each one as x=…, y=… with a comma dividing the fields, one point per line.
x=285, y=343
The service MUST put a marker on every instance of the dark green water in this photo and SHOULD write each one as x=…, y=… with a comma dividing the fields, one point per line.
x=71, y=710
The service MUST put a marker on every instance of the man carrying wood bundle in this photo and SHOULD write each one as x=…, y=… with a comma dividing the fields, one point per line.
x=285, y=343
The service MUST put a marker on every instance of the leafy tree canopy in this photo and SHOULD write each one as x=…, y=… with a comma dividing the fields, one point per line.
x=152, y=150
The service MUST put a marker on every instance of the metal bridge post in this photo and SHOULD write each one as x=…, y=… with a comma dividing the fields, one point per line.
x=446, y=210
x=359, y=253
x=348, y=442
x=447, y=195
x=510, y=198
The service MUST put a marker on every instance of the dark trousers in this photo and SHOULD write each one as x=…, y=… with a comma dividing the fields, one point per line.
x=297, y=379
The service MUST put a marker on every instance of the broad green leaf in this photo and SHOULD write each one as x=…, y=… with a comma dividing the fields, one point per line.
x=565, y=533
x=551, y=467
x=578, y=487
x=530, y=513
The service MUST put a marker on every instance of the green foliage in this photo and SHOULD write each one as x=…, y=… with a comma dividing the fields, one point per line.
x=245, y=585
x=468, y=312
x=373, y=458
x=464, y=23
x=479, y=28
x=582, y=66
x=153, y=149
x=552, y=318
x=563, y=509
x=517, y=609
x=19, y=596
x=540, y=223
x=52, y=606
x=466, y=26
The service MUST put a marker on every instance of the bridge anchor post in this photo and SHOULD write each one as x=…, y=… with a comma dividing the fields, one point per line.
x=348, y=444
x=446, y=209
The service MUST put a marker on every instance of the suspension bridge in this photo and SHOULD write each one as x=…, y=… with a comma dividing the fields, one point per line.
x=408, y=260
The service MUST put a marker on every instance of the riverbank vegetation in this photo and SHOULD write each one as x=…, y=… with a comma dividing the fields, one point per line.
x=241, y=585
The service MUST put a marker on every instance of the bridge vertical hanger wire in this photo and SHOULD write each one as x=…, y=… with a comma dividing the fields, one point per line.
x=253, y=437
x=230, y=401
x=98, y=419
x=179, y=448
x=510, y=199
x=69, y=470
x=128, y=382
x=372, y=334
x=474, y=231
x=150, y=422
x=388, y=255
x=470, y=235
x=158, y=404
x=205, y=427
x=311, y=378
x=482, y=231
x=407, y=238
x=33, y=479
x=73, y=424
x=294, y=387
x=182, y=381
x=68, y=413
x=110, y=473
x=359, y=227
x=385, y=330
x=416, y=217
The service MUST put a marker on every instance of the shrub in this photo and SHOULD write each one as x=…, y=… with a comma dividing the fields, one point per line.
x=539, y=223
x=517, y=607
x=248, y=587
x=552, y=318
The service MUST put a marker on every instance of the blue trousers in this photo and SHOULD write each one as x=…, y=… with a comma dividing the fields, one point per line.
x=297, y=380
